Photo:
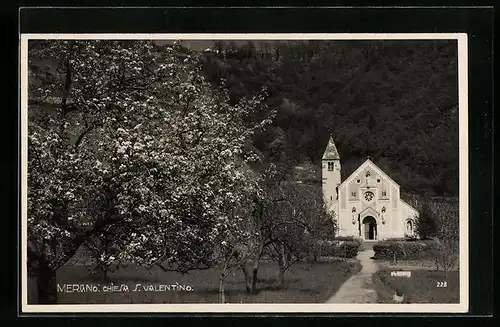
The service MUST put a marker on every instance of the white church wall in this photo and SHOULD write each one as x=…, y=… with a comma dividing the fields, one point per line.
x=385, y=218
x=392, y=225
x=347, y=228
x=407, y=213
x=391, y=222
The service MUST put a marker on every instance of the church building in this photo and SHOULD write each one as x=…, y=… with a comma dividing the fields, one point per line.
x=366, y=204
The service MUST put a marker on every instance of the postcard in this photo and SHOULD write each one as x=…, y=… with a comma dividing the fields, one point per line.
x=244, y=173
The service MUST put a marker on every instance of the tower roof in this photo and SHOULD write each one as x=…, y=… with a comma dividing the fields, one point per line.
x=331, y=152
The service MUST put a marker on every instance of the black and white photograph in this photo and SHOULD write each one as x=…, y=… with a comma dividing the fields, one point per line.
x=215, y=172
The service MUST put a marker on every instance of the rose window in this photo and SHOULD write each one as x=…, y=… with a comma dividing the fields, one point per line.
x=368, y=196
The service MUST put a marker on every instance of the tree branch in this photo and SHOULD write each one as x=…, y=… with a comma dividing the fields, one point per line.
x=182, y=271
x=68, y=80
x=79, y=239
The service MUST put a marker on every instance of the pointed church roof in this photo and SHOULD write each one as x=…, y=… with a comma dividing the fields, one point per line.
x=367, y=164
x=331, y=152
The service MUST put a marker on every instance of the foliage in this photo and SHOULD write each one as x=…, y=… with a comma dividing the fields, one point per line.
x=407, y=238
x=286, y=216
x=101, y=255
x=348, y=249
x=102, y=252
x=426, y=224
x=403, y=250
x=160, y=156
x=316, y=248
x=320, y=248
x=439, y=220
x=357, y=240
x=136, y=139
x=447, y=236
x=395, y=101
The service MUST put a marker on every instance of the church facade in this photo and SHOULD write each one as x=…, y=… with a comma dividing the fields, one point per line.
x=366, y=204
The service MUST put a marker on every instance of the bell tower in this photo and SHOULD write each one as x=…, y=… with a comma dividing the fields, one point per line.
x=330, y=173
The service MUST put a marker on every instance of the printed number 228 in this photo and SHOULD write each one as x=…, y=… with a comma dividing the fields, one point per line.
x=442, y=284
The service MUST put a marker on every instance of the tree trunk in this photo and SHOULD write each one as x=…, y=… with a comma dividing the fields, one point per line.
x=255, y=268
x=222, y=295
x=281, y=277
x=105, y=274
x=46, y=285
x=222, y=277
x=281, y=265
x=255, y=272
x=248, y=279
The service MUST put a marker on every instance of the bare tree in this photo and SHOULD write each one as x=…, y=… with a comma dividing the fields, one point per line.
x=447, y=237
x=285, y=216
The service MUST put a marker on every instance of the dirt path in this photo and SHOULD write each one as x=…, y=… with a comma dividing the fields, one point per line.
x=357, y=289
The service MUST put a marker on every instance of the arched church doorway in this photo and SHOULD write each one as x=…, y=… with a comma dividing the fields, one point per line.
x=369, y=228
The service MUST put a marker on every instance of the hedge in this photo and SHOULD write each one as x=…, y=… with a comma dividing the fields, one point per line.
x=345, y=249
x=345, y=238
x=351, y=239
x=348, y=249
x=325, y=248
x=403, y=239
x=405, y=250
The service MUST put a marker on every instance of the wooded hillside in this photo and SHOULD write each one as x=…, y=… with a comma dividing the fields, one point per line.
x=393, y=101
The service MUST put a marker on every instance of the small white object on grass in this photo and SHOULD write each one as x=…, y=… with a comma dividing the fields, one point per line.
x=398, y=298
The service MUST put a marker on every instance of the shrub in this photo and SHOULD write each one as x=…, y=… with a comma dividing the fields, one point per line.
x=312, y=249
x=350, y=239
x=411, y=238
x=404, y=250
x=348, y=249
x=326, y=248
x=345, y=238
x=359, y=242
x=407, y=238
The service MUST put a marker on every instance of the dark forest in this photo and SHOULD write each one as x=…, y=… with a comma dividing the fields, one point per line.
x=395, y=102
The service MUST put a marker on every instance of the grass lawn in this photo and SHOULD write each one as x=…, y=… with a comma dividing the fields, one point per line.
x=408, y=265
x=305, y=283
x=421, y=287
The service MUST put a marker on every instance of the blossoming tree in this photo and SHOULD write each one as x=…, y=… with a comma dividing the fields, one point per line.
x=135, y=142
